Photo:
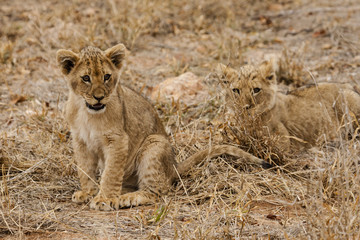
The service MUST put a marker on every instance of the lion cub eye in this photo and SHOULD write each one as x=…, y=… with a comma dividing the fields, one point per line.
x=86, y=78
x=256, y=90
x=270, y=77
x=236, y=90
x=107, y=77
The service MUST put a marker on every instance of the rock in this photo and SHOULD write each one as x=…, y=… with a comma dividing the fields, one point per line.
x=187, y=88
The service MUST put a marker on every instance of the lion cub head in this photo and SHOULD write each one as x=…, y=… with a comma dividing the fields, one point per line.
x=251, y=89
x=92, y=74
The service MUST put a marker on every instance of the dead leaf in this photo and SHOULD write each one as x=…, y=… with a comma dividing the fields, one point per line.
x=326, y=46
x=15, y=99
x=277, y=40
x=276, y=7
x=319, y=33
x=273, y=217
x=265, y=20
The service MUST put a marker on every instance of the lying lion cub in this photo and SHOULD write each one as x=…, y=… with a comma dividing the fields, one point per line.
x=116, y=129
x=302, y=117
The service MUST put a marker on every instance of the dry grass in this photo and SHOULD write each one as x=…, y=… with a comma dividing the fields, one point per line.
x=314, y=195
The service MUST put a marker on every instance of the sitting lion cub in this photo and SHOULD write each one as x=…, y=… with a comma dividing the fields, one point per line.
x=116, y=129
x=302, y=117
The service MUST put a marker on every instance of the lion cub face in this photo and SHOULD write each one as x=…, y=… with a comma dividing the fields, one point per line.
x=92, y=74
x=251, y=90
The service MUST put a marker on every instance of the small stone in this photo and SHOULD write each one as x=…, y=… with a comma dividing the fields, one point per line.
x=187, y=88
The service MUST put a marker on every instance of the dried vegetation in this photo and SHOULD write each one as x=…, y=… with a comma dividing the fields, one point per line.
x=314, y=195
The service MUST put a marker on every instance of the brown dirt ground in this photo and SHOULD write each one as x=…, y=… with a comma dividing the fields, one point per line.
x=220, y=199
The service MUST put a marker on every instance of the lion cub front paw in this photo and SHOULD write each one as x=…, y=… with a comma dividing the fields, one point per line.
x=104, y=204
x=82, y=196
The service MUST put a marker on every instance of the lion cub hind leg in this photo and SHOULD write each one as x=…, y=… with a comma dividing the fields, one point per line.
x=155, y=172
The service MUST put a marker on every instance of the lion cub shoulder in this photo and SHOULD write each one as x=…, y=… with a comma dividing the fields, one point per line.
x=302, y=117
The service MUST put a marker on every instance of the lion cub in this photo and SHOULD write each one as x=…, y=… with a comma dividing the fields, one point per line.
x=301, y=118
x=117, y=130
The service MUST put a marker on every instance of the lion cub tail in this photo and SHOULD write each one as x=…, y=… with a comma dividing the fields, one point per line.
x=218, y=150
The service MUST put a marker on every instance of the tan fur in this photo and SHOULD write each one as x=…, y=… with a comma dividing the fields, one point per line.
x=303, y=117
x=114, y=127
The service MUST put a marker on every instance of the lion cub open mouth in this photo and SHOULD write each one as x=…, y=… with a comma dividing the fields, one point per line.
x=96, y=107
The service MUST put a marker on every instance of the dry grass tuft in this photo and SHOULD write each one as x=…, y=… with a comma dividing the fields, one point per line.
x=246, y=131
x=292, y=70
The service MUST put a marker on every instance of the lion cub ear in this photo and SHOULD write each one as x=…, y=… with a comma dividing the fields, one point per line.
x=66, y=60
x=226, y=73
x=116, y=54
x=267, y=71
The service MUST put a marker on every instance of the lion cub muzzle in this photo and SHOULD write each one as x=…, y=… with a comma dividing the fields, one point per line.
x=98, y=96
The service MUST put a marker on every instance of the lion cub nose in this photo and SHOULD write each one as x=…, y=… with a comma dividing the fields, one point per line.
x=99, y=98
